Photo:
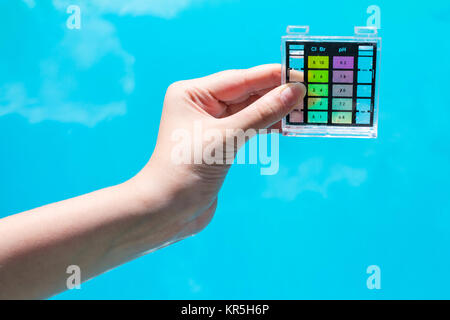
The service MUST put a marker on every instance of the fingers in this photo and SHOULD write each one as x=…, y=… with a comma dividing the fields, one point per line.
x=235, y=85
x=238, y=106
x=295, y=76
x=270, y=108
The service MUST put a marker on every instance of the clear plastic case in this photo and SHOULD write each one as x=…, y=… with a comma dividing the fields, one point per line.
x=341, y=76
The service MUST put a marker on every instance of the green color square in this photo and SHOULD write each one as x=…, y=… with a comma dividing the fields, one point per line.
x=318, y=103
x=317, y=117
x=317, y=90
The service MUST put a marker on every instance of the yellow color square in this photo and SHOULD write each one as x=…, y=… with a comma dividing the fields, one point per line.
x=318, y=62
x=317, y=75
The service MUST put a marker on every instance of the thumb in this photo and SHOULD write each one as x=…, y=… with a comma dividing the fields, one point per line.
x=270, y=108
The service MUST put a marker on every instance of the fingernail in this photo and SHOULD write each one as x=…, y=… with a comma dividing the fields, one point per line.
x=293, y=94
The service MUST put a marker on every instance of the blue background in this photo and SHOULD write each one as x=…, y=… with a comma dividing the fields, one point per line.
x=79, y=110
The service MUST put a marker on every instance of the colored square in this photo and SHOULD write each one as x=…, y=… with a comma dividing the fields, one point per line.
x=363, y=117
x=318, y=62
x=342, y=90
x=364, y=90
x=342, y=76
x=365, y=53
x=317, y=117
x=296, y=116
x=318, y=103
x=296, y=47
x=365, y=63
x=342, y=104
x=318, y=90
x=296, y=62
x=364, y=76
x=363, y=105
x=341, y=117
x=317, y=75
x=343, y=62
x=365, y=48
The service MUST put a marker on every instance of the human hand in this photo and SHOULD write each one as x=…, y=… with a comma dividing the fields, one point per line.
x=165, y=202
x=220, y=106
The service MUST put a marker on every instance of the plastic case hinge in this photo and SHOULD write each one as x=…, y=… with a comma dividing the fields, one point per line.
x=297, y=29
x=366, y=31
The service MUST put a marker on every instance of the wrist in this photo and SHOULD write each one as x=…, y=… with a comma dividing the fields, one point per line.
x=177, y=188
x=164, y=212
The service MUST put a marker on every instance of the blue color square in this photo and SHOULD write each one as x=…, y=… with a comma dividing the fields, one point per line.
x=365, y=53
x=364, y=90
x=364, y=76
x=363, y=105
x=365, y=63
x=296, y=47
x=363, y=117
x=296, y=62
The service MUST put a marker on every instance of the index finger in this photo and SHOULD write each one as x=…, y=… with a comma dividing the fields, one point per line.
x=232, y=85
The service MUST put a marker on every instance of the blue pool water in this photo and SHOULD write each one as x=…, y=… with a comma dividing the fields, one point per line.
x=79, y=110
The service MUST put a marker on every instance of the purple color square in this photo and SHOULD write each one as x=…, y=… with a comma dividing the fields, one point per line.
x=343, y=76
x=343, y=62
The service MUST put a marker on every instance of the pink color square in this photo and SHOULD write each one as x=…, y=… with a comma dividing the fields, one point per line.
x=343, y=62
x=343, y=76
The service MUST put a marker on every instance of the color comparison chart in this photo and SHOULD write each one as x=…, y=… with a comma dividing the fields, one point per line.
x=340, y=78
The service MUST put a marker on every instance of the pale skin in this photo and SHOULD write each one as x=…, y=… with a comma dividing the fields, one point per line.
x=164, y=203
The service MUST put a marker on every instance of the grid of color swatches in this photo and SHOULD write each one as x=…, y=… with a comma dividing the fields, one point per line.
x=340, y=79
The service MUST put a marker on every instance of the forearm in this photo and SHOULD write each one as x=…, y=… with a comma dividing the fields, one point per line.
x=96, y=232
